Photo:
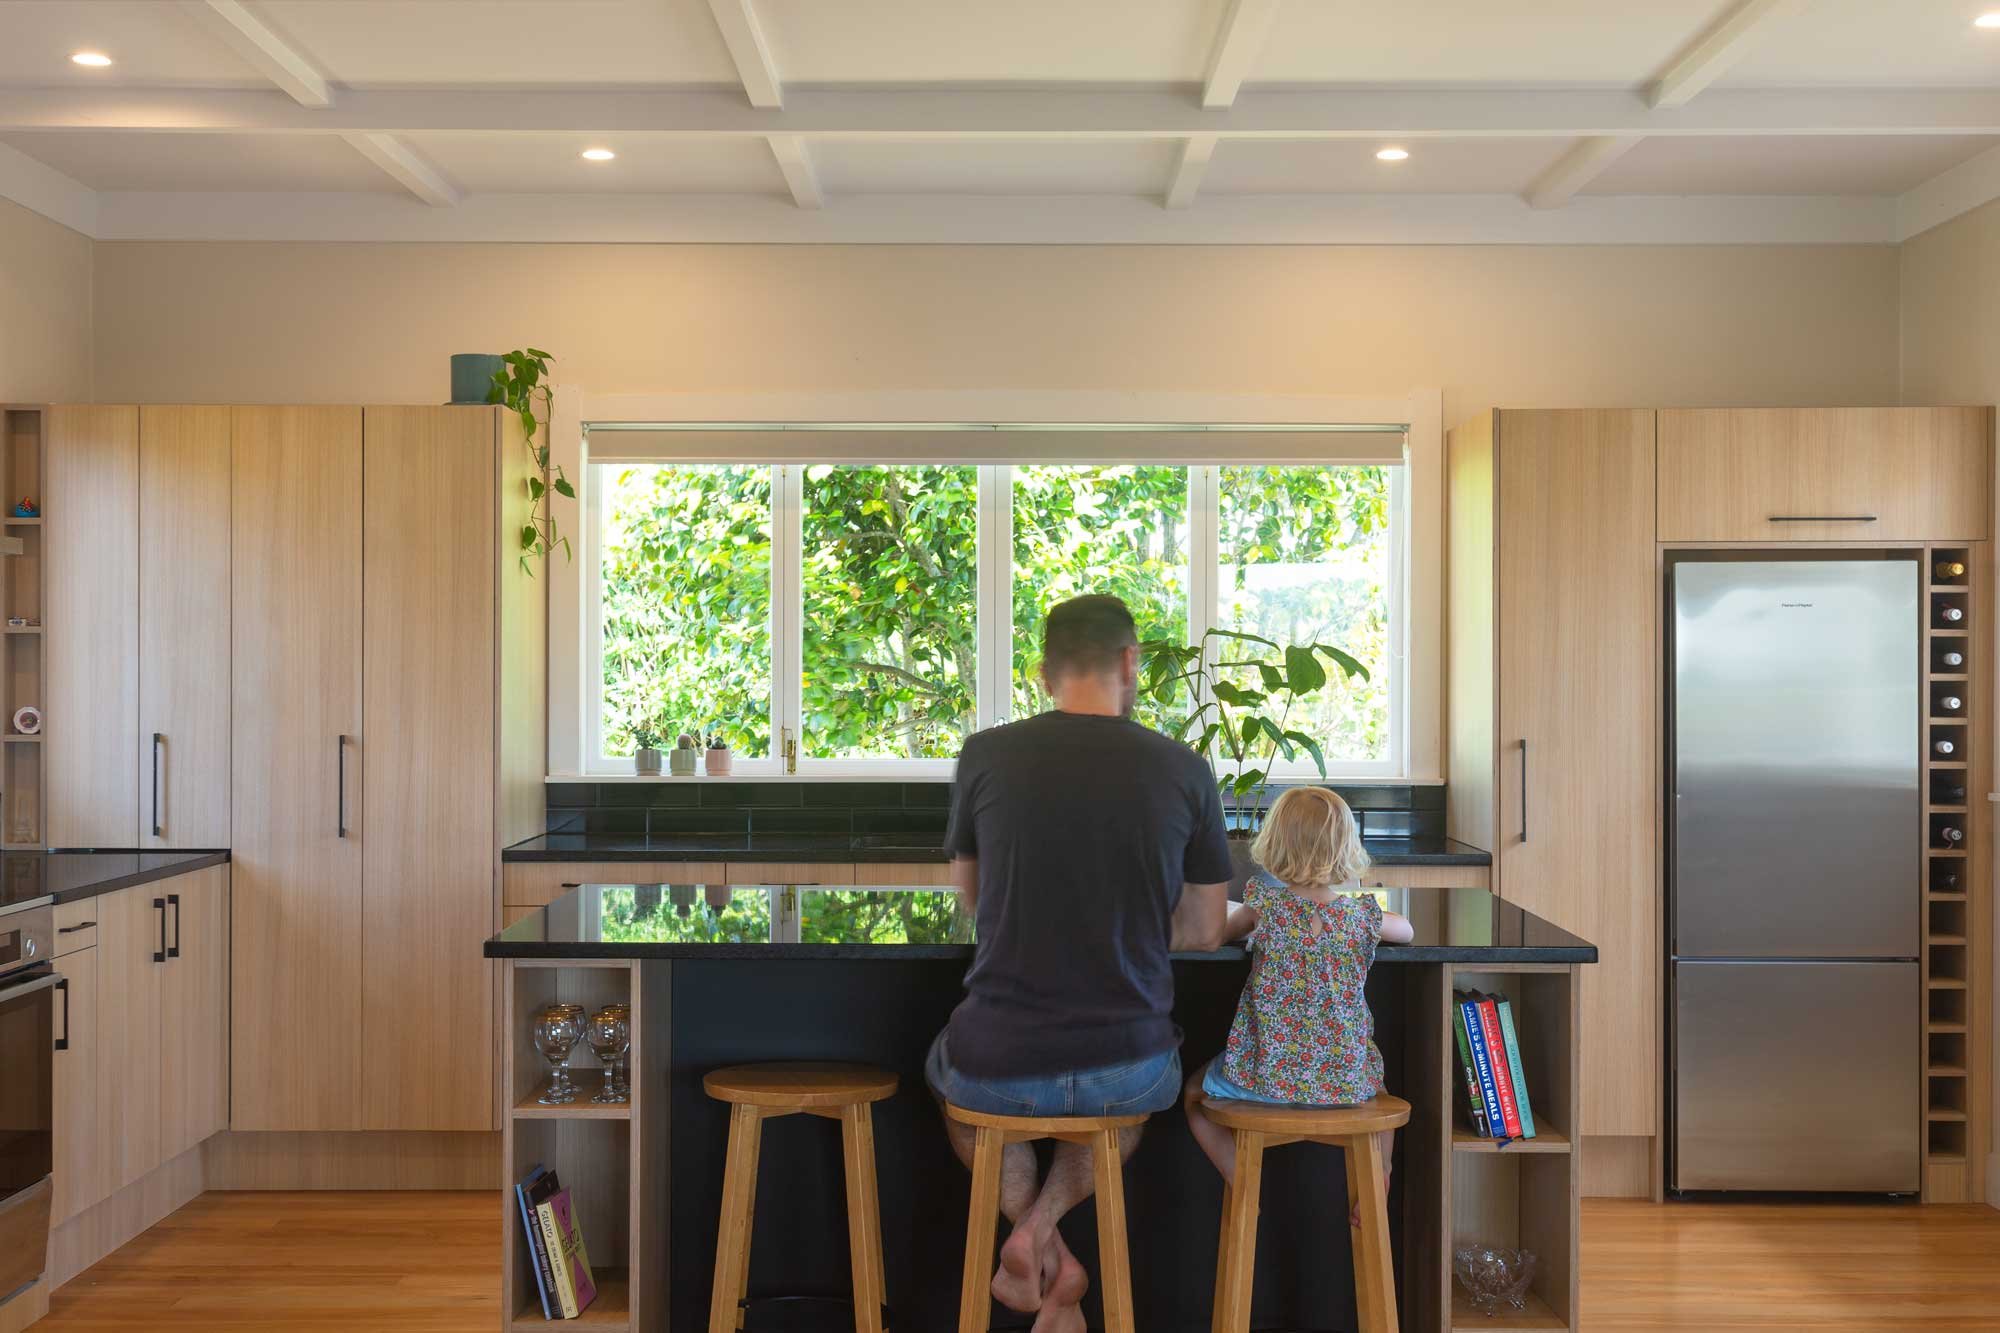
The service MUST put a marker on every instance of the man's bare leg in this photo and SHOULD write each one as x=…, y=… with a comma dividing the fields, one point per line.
x=1018, y=1188
x=1036, y=1246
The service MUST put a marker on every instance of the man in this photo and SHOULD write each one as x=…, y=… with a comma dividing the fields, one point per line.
x=1088, y=848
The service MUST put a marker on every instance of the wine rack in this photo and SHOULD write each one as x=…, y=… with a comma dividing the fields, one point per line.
x=21, y=652
x=1957, y=907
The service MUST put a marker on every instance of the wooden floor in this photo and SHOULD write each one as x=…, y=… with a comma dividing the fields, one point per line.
x=429, y=1263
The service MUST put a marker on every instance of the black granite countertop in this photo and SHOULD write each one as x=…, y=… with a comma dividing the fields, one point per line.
x=885, y=847
x=70, y=876
x=667, y=921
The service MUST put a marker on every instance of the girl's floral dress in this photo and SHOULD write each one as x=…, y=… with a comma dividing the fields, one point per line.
x=1303, y=1033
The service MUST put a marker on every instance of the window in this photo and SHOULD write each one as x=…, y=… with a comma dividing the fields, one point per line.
x=875, y=614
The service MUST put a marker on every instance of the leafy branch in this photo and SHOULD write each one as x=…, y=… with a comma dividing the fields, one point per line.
x=517, y=385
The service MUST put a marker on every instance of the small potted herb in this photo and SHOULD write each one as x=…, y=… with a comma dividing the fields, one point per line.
x=719, y=759
x=646, y=758
x=681, y=762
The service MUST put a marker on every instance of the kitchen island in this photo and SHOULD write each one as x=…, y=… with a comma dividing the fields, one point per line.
x=729, y=974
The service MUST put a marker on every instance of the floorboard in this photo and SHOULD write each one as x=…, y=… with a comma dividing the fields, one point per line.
x=429, y=1263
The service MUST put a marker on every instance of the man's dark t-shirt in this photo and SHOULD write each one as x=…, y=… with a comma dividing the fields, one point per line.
x=1085, y=828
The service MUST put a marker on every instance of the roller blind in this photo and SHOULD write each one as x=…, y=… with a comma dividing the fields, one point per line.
x=633, y=443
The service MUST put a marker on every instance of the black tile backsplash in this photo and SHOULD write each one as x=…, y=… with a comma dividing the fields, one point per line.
x=874, y=810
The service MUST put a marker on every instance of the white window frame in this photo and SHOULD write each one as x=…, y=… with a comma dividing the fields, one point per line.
x=994, y=701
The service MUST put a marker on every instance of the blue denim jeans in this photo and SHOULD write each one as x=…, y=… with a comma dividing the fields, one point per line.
x=1139, y=1087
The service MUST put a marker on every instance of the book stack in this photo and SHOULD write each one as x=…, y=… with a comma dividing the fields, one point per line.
x=1496, y=1091
x=555, y=1246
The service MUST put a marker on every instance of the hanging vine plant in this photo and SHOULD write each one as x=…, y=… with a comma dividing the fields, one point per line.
x=521, y=385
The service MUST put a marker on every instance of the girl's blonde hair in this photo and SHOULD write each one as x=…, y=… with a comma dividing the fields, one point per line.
x=1310, y=838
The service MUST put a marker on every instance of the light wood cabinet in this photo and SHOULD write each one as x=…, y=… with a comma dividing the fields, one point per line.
x=194, y=1011
x=82, y=1173
x=91, y=532
x=183, y=633
x=131, y=959
x=296, y=767
x=1554, y=722
x=1889, y=474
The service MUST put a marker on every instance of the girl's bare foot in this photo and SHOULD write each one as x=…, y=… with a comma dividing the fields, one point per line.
x=1354, y=1213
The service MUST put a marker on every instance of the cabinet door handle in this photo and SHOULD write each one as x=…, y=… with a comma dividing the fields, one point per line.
x=160, y=906
x=1822, y=518
x=71, y=930
x=340, y=817
x=62, y=1042
x=174, y=901
x=1524, y=789
x=157, y=740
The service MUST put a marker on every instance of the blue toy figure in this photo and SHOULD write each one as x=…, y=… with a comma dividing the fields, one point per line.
x=26, y=508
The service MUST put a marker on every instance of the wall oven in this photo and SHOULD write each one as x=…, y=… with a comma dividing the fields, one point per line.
x=30, y=1030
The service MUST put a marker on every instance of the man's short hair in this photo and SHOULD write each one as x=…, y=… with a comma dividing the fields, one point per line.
x=1086, y=635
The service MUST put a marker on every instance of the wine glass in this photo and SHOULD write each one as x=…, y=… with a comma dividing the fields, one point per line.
x=609, y=1035
x=621, y=1081
x=557, y=1028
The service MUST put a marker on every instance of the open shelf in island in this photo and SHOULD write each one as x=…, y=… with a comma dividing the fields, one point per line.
x=612, y=1308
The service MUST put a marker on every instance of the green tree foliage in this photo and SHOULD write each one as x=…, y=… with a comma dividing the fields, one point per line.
x=890, y=592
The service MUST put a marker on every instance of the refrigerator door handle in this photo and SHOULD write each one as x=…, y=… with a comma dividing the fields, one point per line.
x=1524, y=789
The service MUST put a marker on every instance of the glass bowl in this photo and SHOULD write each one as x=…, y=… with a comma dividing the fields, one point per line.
x=1495, y=1277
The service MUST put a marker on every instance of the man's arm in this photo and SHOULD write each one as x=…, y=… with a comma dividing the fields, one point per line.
x=1199, y=918
x=965, y=878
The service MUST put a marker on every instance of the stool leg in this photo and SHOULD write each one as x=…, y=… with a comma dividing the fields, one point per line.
x=864, y=1220
x=1113, y=1258
x=739, y=1203
x=975, y=1292
x=1374, y=1267
x=1237, y=1267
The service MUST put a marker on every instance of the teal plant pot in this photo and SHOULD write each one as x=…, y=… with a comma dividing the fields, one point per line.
x=472, y=376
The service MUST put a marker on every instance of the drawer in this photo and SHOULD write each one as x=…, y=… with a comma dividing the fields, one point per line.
x=1862, y=474
x=76, y=926
x=1426, y=877
x=538, y=883
x=790, y=872
x=904, y=874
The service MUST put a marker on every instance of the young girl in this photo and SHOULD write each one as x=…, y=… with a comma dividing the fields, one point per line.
x=1303, y=1035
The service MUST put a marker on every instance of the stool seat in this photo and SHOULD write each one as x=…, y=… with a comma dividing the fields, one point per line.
x=1310, y=1122
x=799, y=1087
x=756, y=1093
x=1100, y=1134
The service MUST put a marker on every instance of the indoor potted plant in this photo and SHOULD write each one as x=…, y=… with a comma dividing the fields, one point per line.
x=646, y=757
x=1242, y=731
x=681, y=762
x=719, y=759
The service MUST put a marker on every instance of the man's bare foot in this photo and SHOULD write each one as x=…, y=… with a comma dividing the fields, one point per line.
x=1018, y=1284
x=1062, y=1303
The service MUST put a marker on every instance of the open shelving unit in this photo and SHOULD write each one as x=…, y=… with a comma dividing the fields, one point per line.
x=1957, y=905
x=22, y=579
x=1523, y=1194
x=612, y=1159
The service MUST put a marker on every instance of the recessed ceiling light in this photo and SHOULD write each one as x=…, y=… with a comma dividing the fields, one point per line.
x=598, y=154
x=1392, y=154
x=1987, y=20
x=94, y=59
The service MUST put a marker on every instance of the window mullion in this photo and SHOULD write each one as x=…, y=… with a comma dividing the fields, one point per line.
x=1203, y=561
x=787, y=609
x=996, y=594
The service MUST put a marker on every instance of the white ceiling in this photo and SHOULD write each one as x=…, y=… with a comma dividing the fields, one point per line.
x=1808, y=119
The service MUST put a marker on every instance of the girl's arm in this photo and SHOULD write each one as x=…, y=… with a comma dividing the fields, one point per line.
x=1242, y=920
x=1396, y=929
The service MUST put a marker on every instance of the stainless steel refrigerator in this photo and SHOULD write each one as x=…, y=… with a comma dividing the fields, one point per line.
x=1795, y=855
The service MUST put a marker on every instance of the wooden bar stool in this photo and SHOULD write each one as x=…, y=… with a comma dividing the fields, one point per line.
x=1100, y=1135
x=1258, y=1126
x=757, y=1093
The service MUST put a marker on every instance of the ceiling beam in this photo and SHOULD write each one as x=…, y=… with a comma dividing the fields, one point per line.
x=266, y=52
x=1188, y=171
x=795, y=160
x=1013, y=114
x=744, y=37
x=1237, y=46
x=1581, y=165
x=409, y=168
x=1969, y=185
x=42, y=189
x=1716, y=50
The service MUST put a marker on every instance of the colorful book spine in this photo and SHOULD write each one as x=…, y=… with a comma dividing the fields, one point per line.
x=1482, y=1064
x=1503, y=1082
x=1472, y=1097
x=538, y=1257
x=1520, y=1080
x=574, y=1257
x=565, y=1289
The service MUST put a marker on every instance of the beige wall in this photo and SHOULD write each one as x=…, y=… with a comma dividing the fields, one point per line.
x=1529, y=326
x=1951, y=353
x=44, y=309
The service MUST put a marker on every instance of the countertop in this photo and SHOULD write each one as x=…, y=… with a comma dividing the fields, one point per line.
x=892, y=847
x=668, y=921
x=70, y=876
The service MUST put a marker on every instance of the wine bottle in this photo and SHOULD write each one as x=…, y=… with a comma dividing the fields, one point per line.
x=1945, y=748
x=1951, y=569
x=1945, y=881
x=1950, y=615
x=1951, y=835
x=1950, y=703
x=1947, y=793
x=1953, y=660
